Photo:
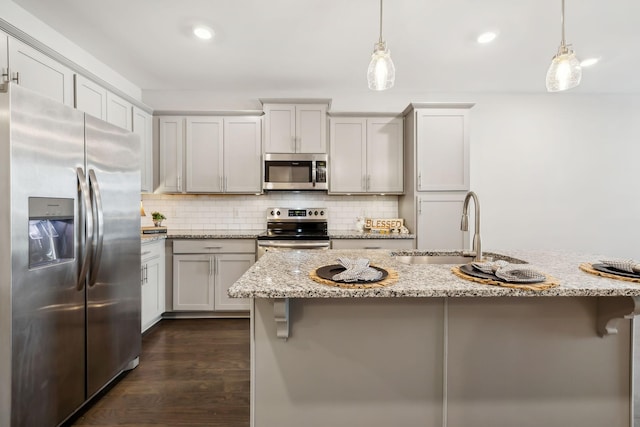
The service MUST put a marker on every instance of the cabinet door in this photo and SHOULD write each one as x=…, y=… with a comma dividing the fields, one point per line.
x=203, y=144
x=40, y=73
x=193, y=282
x=171, y=148
x=311, y=128
x=90, y=97
x=229, y=268
x=438, y=224
x=279, y=128
x=119, y=111
x=442, y=140
x=385, y=155
x=153, y=283
x=347, y=164
x=242, y=155
x=4, y=57
x=143, y=127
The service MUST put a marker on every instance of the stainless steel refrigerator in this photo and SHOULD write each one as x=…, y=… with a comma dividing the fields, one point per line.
x=69, y=257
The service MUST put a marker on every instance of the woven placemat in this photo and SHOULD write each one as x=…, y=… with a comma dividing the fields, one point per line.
x=392, y=277
x=587, y=267
x=550, y=282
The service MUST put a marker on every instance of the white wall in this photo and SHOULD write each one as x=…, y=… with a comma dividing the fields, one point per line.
x=21, y=19
x=558, y=172
x=553, y=171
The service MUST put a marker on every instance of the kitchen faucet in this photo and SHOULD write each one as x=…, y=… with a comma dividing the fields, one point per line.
x=464, y=224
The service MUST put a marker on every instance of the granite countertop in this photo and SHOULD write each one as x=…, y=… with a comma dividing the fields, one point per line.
x=213, y=234
x=272, y=277
x=348, y=234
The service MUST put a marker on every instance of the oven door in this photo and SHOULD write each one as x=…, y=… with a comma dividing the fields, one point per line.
x=265, y=246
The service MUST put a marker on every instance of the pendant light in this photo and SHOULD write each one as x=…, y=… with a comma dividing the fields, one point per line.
x=565, y=71
x=381, y=73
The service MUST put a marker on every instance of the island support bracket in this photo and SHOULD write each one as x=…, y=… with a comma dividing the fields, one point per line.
x=612, y=309
x=281, y=315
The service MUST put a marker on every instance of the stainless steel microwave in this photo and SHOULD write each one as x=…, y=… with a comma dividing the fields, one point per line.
x=295, y=172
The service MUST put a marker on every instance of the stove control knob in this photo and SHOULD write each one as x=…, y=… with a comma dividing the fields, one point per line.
x=316, y=213
x=278, y=213
x=321, y=213
x=310, y=213
x=271, y=213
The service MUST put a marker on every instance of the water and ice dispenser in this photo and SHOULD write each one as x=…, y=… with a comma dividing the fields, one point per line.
x=51, y=228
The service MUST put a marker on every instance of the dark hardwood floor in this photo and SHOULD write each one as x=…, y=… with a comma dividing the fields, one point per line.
x=191, y=373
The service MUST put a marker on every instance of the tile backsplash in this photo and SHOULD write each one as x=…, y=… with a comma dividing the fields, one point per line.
x=227, y=212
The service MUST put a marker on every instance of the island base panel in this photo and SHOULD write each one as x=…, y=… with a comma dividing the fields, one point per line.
x=456, y=362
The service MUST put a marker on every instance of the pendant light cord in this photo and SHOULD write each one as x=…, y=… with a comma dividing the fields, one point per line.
x=563, y=43
x=380, y=41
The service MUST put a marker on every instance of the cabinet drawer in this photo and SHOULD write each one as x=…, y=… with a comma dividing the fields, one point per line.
x=152, y=249
x=212, y=246
x=372, y=244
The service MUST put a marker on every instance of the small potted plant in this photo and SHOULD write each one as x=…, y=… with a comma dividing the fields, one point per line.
x=157, y=218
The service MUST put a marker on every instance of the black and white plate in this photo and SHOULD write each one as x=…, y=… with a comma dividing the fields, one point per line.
x=328, y=271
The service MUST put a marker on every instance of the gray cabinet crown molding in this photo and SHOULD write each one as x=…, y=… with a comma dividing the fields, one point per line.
x=416, y=105
x=365, y=114
x=18, y=34
x=296, y=101
x=202, y=113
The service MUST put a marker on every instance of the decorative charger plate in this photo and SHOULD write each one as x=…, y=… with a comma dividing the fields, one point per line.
x=472, y=271
x=610, y=270
x=328, y=271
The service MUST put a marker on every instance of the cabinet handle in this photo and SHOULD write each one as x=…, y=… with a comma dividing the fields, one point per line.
x=225, y=183
x=419, y=206
x=216, y=270
x=5, y=74
x=419, y=180
x=293, y=144
x=213, y=247
x=145, y=253
x=16, y=77
x=373, y=247
x=210, y=266
x=142, y=275
x=179, y=177
x=368, y=182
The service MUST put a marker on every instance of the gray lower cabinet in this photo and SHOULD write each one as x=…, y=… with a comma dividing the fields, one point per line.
x=204, y=269
x=372, y=244
x=152, y=282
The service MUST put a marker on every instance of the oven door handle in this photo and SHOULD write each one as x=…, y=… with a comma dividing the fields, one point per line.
x=293, y=244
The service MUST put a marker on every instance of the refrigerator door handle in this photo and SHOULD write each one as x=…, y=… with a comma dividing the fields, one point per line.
x=88, y=213
x=99, y=229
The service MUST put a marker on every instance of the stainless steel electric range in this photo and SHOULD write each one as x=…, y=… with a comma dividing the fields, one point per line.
x=294, y=228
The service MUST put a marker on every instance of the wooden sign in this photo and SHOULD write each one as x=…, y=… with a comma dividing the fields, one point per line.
x=383, y=223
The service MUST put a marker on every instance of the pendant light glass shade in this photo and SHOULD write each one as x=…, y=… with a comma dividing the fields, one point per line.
x=565, y=71
x=381, y=73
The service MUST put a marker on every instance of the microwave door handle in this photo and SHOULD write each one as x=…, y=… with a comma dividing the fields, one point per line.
x=88, y=219
x=313, y=174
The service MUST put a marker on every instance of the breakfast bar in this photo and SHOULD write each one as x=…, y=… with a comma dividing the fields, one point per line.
x=434, y=349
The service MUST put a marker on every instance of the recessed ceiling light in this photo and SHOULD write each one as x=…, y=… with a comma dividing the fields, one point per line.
x=589, y=62
x=487, y=37
x=202, y=32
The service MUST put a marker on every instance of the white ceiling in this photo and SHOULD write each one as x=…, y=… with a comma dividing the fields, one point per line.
x=326, y=44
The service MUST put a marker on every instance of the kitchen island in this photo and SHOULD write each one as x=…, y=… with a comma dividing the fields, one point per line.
x=437, y=350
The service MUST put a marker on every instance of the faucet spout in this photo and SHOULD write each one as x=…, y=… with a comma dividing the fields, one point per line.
x=464, y=224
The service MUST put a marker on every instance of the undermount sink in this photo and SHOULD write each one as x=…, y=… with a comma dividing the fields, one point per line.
x=434, y=259
x=454, y=257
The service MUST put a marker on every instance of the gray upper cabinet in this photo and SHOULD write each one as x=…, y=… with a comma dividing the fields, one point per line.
x=39, y=72
x=203, y=146
x=143, y=127
x=221, y=154
x=119, y=112
x=4, y=57
x=442, y=149
x=295, y=128
x=366, y=155
x=171, y=154
x=90, y=97
x=242, y=154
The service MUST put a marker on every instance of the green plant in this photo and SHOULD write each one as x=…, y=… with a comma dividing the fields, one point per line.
x=157, y=216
